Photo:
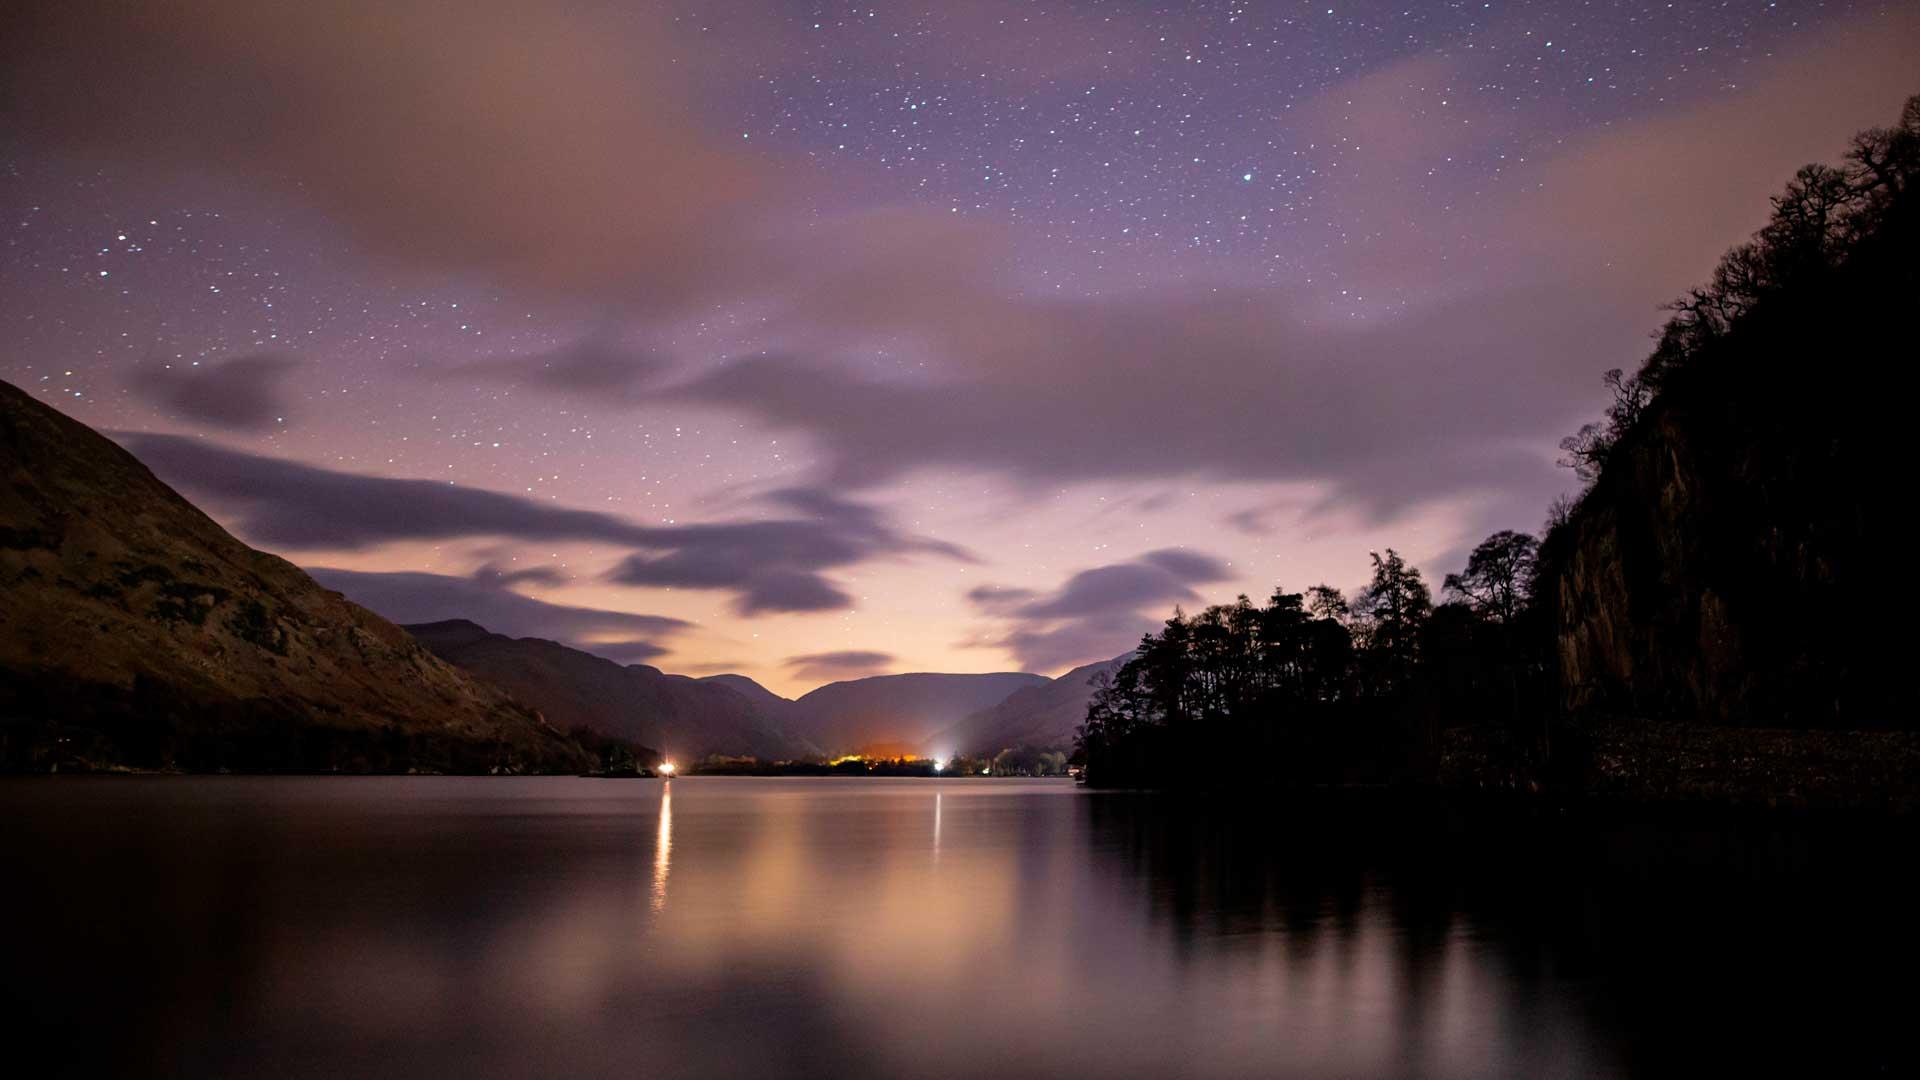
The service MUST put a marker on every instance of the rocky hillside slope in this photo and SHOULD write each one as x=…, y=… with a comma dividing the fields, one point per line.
x=136, y=632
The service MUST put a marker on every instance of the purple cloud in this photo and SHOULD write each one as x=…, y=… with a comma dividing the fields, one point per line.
x=776, y=564
x=240, y=394
x=597, y=369
x=628, y=652
x=841, y=664
x=1460, y=384
x=416, y=597
x=1098, y=612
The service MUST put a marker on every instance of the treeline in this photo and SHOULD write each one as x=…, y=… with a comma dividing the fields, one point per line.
x=1832, y=228
x=1312, y=687
x=1826, y=223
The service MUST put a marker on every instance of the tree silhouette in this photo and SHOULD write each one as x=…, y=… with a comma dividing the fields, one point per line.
x=1391, y=610
x=1327, y=602
x=1824, y=215
x=1498, y=576
x=1586, y=450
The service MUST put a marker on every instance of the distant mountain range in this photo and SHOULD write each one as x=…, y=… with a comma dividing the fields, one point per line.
x=136, y=632
x=726, y=714
x=680, y=716
x=904, y=710
x=1041, y=717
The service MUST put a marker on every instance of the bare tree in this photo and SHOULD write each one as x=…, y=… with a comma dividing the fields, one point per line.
x=1585, y=451
x=1498, y=576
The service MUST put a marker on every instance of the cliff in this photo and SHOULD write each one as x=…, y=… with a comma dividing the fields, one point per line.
x=1738, y=560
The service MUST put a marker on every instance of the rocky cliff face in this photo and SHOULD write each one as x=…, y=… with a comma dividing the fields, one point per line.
x=1723, y=567
x=135, y=631
x=1743, y=555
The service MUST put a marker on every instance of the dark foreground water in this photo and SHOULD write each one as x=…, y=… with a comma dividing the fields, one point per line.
x=839, y=928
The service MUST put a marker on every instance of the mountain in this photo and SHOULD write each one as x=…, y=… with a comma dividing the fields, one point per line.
x=1040, y=717
x=767, y=701
x=136, y=632
x=681, y=716
x=898, y=710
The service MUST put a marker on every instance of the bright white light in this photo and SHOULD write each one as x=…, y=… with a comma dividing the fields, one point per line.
x=939, y=765
x=665, y=769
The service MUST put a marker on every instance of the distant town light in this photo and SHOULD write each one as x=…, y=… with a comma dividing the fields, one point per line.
x=666, y=768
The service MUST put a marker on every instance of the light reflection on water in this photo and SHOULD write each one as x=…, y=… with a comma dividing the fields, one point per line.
x=915, y=927
x=663, y=846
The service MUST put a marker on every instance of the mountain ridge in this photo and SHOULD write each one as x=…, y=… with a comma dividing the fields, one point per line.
x=1042, y=717
x=677, y=714
x=900, y=710
x=727, y=714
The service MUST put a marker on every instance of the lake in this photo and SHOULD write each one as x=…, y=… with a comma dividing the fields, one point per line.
x=488, y=927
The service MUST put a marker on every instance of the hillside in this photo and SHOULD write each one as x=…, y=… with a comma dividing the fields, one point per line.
x=682, y=717
x=901, y=710
x=136, y=632
x=1042, y=717
x=1721, y=566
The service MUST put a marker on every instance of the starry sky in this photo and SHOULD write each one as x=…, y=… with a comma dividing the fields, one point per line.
x=821, y=340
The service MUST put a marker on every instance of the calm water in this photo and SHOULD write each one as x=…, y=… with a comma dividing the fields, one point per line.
x=808, y=927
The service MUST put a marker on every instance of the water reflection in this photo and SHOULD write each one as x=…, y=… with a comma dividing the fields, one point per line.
x=1423, y=940
x=818, y=927
x=663, y=846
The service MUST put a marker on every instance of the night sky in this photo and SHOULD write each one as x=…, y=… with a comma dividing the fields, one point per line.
x=810, y=341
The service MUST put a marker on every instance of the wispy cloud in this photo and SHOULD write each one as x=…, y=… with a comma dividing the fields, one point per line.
x=778, y=563
x=416, y=597
x=1099, y=612
x=245, y=393
x=841, y=664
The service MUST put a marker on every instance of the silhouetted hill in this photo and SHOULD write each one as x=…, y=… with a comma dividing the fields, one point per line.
x=135, y=631
x=844, y=716
x=767, y=701
x=1042, y=717
x=680, y=716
